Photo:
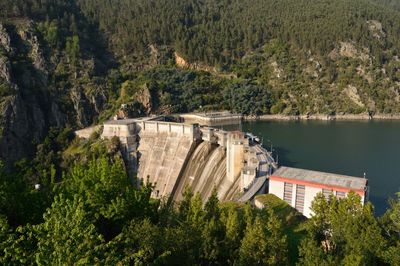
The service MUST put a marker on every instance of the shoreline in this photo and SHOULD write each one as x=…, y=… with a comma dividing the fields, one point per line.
x=323, y=117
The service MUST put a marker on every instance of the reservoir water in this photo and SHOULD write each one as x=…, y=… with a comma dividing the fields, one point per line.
x=343, y=147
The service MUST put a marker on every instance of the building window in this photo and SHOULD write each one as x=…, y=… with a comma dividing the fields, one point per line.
x=300, y=191
x=340, y=194
x=287, y=193
x=327, y=193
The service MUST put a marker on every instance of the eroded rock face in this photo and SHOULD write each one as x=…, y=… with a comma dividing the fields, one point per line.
x=5, y=39
x=376, y=29
x=5, y=69
x=181, y=62
x=348, y=49
x=35, y=103
x=22, y=120
x=352, y=93
x=84, y=108
x=144, y=97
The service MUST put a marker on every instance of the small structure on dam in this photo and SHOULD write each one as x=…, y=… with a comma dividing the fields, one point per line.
x=175, y=155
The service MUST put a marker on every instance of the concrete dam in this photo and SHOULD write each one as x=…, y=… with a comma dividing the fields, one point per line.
x=174, y=155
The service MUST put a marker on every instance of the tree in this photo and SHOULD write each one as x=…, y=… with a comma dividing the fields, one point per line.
x=391, y=225
x=263, y=245
x=67, y=235
x=108, y=194
x=73, y=49
x=234, y=227
x=342, y=232
x=140, y=243
x=17, y=247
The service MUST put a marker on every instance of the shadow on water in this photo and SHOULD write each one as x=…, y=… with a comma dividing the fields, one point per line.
x=283, y=157
x=381, y=204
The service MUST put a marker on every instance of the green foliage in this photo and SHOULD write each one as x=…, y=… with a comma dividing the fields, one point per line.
x=342, y=232
x=50, y=32
x=248, y=99
x=269, y=57
x=67, y=235
x=18, y=246
x=19, y=201
x=390, y=222
x=5, y=89
x=98, y=217
x=72, y=48
x=231, y=29
x=264, y=245
x=140, y=243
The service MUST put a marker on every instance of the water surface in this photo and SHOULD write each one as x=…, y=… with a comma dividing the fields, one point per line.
x=344, y=147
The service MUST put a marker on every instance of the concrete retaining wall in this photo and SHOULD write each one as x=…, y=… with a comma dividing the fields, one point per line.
x=87, y=132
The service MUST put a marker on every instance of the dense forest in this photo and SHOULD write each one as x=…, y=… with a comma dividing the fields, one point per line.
x=95, y=216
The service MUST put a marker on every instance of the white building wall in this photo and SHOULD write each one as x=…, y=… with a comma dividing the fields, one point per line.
x=276, y=188
x=310, y=193
x=293, y=204
x=247, y=178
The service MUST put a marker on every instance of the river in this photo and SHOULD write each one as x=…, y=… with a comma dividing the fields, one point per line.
x=343, y=147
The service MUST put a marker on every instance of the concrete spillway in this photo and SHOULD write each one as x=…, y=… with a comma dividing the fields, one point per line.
x=161, y=159
x=206, y=170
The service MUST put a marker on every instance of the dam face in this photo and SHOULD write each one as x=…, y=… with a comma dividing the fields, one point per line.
x=161, y=159
x=206, y=170
x=174, y=155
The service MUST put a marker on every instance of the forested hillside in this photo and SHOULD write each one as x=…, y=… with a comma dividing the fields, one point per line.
x=72, y=63
x=311, y=56
x=219, y=32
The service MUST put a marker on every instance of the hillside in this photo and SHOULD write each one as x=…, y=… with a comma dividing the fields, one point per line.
x=74, y=63
x=312, y=56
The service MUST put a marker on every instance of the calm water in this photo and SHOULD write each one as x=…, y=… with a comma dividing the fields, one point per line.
x=343, y=147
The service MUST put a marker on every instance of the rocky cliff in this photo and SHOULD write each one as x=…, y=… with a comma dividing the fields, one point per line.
x=32, y=99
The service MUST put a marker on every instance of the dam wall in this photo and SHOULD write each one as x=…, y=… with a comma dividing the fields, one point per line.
x=173, y=156
x=161, y=159
x=206, y=171
x=163, y=151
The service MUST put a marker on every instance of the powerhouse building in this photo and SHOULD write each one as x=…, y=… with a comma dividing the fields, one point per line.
x=298, y=187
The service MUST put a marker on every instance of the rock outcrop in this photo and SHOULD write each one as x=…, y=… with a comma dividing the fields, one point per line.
x=35, y=102
x=181, y=62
